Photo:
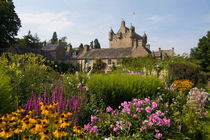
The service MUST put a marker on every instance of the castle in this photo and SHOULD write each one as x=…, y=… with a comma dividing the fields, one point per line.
x=125, y=43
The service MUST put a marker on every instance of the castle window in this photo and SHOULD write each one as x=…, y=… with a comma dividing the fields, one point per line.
x=109, y=61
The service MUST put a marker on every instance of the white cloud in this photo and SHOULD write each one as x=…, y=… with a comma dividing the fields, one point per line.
x=45, y=23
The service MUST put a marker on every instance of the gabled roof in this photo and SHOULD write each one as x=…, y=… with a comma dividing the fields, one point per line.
x=50, y=47
x=107, y=53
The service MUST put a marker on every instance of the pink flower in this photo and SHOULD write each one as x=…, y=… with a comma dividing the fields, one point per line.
x=87, y=127
x=144, y=127
x=148, y=109
x=154, y=105
x=109, y=109
x=147, y=100
x=158, y=135
x=94, y=119
x=135, y=115
x=94, y=129
x=115, y=129
x=150, y=123
x=179, y=127
x=138, y=109
x=111, y=126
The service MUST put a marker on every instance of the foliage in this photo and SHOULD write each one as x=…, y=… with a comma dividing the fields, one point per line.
x=5, y=92
x=74, y=83
x=188, y=112
x=138, y=64
x=54, y=39
x=194, y=112
x=50, y=124
x=112, y=89
x=91, y=44
x=99, y=66
x=30, y=41
x=142, y=119
x=202, y=52
x=81, y=47
x=10, y=23
x=63, y=67
x=182, y=85
x=96, y=44
x=180, y=70
x=28, y=73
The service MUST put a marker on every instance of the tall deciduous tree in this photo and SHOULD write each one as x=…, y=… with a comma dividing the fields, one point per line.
x=96, y=44
x=54, y=39
x=202, y=52
x=9, y=23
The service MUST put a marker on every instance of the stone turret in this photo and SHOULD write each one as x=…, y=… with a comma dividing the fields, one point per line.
x=111, y=35
x=145, y=39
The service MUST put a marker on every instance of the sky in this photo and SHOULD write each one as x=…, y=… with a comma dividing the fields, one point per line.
x=168, y=23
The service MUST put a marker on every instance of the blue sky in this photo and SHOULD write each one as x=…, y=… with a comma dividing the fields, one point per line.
x=167, y=23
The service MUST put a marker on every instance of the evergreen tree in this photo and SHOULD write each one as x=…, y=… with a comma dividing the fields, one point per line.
x=9, y=23
x=202, y=52
x=54, y=39
x=91, y=44
x=81, y=47
x=96, y=44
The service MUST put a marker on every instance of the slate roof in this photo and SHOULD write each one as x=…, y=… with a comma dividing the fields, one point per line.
x=23, y=50
x=106, y=53
x=50, y=47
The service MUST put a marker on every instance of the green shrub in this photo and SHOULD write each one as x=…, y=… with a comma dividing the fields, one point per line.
x=99, y=66
x=5, y=93
x=27, y=73
x=73, y=83
x=112, y=89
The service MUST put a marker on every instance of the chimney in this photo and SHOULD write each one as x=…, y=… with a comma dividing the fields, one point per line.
x=86, y=48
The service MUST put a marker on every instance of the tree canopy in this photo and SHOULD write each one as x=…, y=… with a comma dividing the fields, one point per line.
x=81, y=46
x=9, y=23
x=96, y=44
x=202, y=52
x=30, y=41
x=54, y=39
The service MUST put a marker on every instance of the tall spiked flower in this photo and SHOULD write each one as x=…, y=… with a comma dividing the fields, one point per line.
x=45, y=96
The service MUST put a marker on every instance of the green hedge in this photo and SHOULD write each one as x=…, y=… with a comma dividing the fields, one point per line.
x=113, y=89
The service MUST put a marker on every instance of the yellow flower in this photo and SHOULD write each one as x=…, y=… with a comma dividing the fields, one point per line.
x=18, y=130
x=78, y=130
x=65, y=124
x=6, y=133
x=38, y=127
x=59, y=133
x=31, y=120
